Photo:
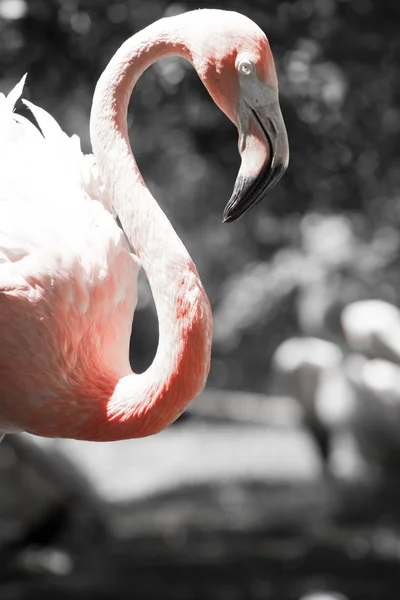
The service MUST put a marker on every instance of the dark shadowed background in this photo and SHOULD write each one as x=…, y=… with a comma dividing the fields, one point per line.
x=327, y=235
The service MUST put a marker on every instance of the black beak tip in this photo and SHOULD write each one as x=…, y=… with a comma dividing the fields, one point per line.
x=235, y=207
x=249, y=191
x=232, y=212
x=227, y=218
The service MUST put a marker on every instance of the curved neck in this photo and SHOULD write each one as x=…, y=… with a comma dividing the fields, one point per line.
x=144, y=404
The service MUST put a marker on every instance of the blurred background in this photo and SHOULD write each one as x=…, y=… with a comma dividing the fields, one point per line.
x=281, y=482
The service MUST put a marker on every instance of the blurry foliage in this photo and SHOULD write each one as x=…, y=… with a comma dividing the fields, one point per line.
x=329, y=232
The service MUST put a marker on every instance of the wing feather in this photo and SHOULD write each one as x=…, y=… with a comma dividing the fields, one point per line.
x=53, y=203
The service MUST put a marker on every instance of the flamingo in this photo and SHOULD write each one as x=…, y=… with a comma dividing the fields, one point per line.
x=67, y=277
x=326, y=383
x=372, y=327
x=309, y=370
x=375, y=424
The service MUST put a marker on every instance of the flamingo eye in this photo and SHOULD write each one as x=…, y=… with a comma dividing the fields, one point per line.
x=245, y=67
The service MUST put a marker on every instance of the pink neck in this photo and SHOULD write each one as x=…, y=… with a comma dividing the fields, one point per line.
x=144, y=404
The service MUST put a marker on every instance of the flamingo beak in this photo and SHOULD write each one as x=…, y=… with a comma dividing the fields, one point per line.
x=264, y=148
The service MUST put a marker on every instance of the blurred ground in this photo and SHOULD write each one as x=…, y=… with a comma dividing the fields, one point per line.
x=209, y=509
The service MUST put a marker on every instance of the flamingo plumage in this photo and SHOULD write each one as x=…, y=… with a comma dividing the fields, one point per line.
x=308, y=369
x=375, y=422
x=372, y=327
x=68, y=278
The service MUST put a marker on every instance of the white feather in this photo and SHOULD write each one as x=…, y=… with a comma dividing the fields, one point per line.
x=53, y=205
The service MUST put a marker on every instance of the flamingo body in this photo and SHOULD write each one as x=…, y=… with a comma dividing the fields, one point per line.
x=308, y=369
x=373, y=328
x=376, y=420
x=68, y=279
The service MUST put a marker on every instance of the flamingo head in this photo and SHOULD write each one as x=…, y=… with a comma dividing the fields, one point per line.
x=236, y=65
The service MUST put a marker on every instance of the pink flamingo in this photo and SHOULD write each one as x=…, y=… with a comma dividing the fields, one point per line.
x=67, y=277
